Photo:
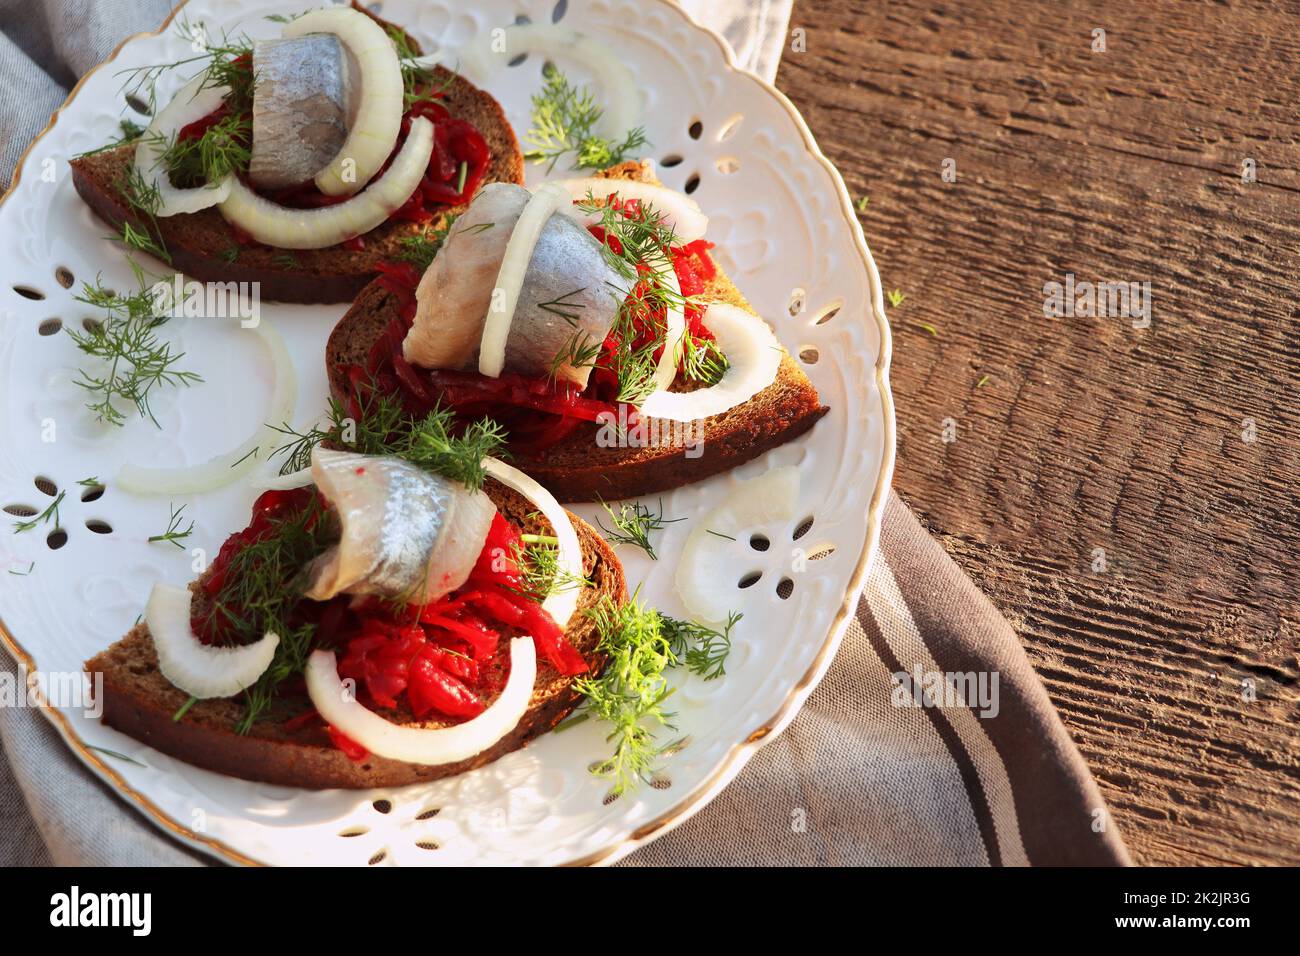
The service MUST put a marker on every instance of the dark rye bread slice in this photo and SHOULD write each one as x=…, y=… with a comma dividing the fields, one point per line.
x=200, y=244
x=578, y=468
x=139, y=701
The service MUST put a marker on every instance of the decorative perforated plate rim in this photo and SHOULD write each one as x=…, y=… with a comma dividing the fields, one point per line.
x=786, y=232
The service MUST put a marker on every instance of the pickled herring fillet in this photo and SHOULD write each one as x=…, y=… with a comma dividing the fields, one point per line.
x=406, y=533
x=569, y=300
x=304, y=103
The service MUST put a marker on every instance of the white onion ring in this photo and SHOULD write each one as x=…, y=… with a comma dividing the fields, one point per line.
x=510, y=276
x=755, y=357
x=192, y=103
x=199, y=670
x=563, y=602
x=287, y=228
x=617, y=83
x=222, y=469
x=419, y=745
x=378, y=121
x=706, y=571
x=681, y=213
x=674, y=333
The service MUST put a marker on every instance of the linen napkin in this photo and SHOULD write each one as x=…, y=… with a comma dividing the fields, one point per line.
x=929, y=742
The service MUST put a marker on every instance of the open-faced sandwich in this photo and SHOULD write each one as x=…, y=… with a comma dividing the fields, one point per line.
x=383, y=625
x=589, y=319
x=302, y=162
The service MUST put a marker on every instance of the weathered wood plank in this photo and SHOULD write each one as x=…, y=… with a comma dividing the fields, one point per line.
x=1081, y=433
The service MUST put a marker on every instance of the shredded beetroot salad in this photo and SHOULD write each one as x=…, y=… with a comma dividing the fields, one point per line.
x=536, y=412
x=441, y=660
x=457, y=143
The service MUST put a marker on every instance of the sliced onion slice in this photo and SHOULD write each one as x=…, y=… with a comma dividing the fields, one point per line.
x=426, y=746
x=222, y=469
x=510, y=277
x=192, y=666
x=754, y=354
x=681, y=213
x=563, y=602
x=192, y=103
x=674, y=333
x=378, y=119
x=706, y=572
x=288, y=228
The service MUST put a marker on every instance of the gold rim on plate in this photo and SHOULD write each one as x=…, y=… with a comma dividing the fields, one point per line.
x=740, y=753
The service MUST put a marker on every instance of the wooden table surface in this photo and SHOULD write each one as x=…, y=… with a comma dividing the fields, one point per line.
x=1174, y=448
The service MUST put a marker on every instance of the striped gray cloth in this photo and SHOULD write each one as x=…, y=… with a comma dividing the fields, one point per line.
x=883, y=766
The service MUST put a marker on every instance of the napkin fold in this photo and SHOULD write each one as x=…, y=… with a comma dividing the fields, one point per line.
x=929, y=742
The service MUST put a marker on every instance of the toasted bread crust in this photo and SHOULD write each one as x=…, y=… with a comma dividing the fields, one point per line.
x=201, y=244
x=140, y=702
x=578, y=468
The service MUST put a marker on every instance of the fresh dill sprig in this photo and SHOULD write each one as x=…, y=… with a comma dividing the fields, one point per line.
x=640, y=238
x=638, y=247
x=421, y=248
x=643, y=645
x=631, y=691
x=386, y=428
x=184, y=709
x=225, y=146
x=636, y=373
x=703, y=649
x=564, y=122
x=418, y=81
x=703, y=361
x=581, y=349
x=115, y=754
x=143, y=199
x=90, y=482
x=539, y=565
x=50, y=514
x=633, y=523
x=563, y=307
x=22, y=574
x=130, y=132
x=127, y=341
x=134, y=238
x=263, y=585
x=141, y=82
x=174, y=533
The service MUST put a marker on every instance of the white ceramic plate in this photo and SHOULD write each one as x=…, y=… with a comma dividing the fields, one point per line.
x=786, y=232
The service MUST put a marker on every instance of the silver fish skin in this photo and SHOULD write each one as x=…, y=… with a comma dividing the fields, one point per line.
x=304, y=101
x=406, y=533
x=570, y=293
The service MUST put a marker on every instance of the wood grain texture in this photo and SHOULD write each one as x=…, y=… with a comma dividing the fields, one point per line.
x=1081, y=433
